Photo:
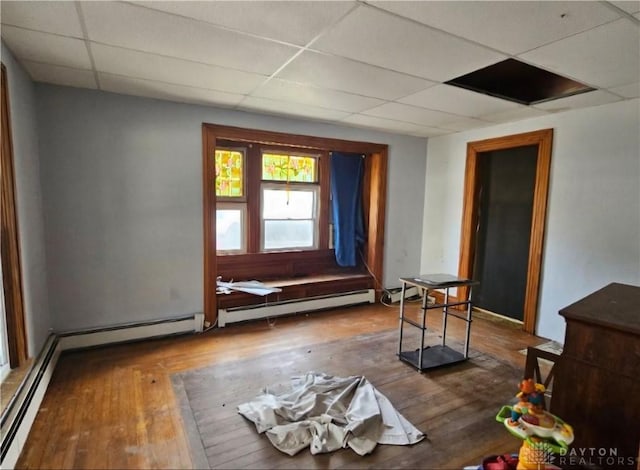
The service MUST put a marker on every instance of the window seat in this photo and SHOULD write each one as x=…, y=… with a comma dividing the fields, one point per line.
x=300, y=287
x=300, y=275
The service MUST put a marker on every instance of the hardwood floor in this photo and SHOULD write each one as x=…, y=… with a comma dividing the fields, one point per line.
x=115, y=407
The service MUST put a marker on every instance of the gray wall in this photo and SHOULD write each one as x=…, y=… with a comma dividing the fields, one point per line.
x=122, y=186
x=121, y=195
x=593, y=216
x=29, y=202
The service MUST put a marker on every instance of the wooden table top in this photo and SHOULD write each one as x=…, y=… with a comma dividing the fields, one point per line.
x=614, y=306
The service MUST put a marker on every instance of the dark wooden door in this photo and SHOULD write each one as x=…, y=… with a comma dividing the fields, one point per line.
x=505, y=208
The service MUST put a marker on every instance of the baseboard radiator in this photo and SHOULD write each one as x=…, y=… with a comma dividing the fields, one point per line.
x=287, y=307
x=19, y=414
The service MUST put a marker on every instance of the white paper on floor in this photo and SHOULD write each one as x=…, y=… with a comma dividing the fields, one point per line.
x=326, y=413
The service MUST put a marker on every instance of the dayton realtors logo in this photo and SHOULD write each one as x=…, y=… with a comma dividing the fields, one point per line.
x=540, y=453
x=590, y=456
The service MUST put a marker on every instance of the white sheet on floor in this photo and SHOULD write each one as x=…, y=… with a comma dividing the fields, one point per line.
x=327, y=413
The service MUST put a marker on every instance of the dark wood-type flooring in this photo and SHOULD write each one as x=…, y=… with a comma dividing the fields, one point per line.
x=115, y=407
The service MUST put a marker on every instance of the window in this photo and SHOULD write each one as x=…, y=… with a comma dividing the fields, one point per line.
x=289, y=201
x=289, y=168
x=229, y=173
x=230, y=227
x=231, y=198
x=289, y=217
x=266, y=199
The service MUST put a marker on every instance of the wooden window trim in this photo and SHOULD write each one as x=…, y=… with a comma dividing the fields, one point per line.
x=374, y=193
x=11, y=268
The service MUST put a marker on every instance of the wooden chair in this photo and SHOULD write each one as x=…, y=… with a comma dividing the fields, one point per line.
x=532, y=370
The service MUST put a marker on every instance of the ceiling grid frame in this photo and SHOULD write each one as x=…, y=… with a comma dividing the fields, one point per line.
x=278, y=91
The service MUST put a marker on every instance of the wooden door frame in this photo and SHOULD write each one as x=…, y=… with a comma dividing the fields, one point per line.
x=11, y=269
x=543, y=139
x=374, y=194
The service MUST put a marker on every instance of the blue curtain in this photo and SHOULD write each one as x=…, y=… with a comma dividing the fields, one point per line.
x=346, y=204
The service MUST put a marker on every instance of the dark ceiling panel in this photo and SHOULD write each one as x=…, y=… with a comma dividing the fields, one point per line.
x=516, y=81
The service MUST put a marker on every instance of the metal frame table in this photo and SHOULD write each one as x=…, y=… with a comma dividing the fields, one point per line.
x=429, y=357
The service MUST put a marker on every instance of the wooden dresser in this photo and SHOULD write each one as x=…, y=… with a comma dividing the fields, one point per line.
x=597, y=381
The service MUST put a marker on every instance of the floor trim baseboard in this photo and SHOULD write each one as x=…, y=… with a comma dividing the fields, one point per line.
x=287, y=307
x=131, y=332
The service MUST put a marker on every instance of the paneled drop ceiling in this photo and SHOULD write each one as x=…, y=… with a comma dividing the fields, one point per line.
x=377, y=65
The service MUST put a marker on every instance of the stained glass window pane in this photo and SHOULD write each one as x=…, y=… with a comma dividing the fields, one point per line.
x=229, y=173
x=294, y=168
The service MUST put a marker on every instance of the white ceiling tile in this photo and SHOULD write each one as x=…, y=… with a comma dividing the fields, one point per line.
x=632, y=90
x=414, y=114
x=48, y=48
x=346, y=75
x=254, y=103
x=174, y=51
x=58, y=17
x=457, y=100
x=314, y=96
x=165, y=69
x=389, y=125
x=428, y=132
x=465, y=124
x=296, y=22
x=166, y=91
x=628, y=6
x=605, y=56
x=60, y=75
x=591, y=98
x=509, y=26
x=147, y=30
x=382, y=39
x=517, y=114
